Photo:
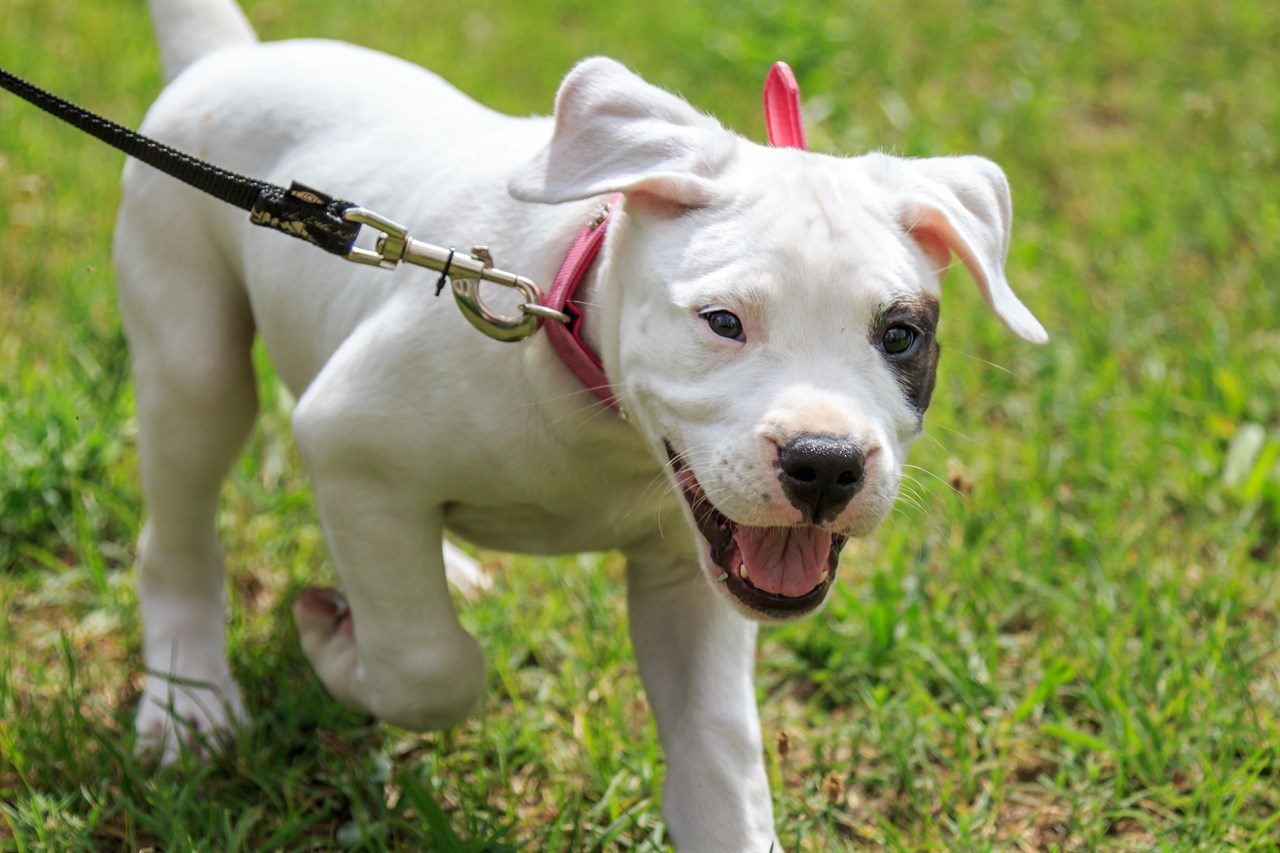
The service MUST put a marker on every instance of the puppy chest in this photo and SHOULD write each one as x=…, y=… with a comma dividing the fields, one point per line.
x=598, y=522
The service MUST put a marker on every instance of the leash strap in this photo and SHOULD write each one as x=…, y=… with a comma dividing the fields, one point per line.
x=297, y=211
x=782, y=108
x=333, y=224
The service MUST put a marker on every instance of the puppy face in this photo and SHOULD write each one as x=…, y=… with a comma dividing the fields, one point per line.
x=778, y=348
x=768, y=318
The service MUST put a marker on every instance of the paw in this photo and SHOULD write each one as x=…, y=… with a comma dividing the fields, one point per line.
x=464, y=573
x=187, y=715
x=327, y=633
x=321, y=613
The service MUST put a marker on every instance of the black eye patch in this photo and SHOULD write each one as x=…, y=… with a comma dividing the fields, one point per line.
x=903, y=332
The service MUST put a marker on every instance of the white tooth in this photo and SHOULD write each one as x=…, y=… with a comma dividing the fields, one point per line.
x=823, y=577
x=724, y=576
x=742, y=571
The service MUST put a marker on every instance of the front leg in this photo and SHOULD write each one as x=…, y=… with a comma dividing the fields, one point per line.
x=697, y=659
x=390, y=643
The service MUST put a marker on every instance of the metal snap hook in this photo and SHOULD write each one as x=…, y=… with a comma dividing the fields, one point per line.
x=466, y=292
x=465, y=273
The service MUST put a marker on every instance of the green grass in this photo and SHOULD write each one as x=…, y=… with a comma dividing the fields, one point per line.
x=1066, y=638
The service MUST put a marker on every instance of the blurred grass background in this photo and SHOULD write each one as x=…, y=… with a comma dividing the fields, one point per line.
x=1066, y=636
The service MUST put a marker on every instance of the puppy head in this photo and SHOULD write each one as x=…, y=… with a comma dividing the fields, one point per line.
x=768, y=318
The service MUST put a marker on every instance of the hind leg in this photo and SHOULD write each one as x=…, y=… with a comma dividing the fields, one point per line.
x=190, y=335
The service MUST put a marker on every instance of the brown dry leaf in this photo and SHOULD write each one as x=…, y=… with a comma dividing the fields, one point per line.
x=783, y=745
x=833, y=788
x=958, y=479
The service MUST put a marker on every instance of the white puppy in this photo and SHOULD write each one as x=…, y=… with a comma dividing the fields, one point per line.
x=764, y=316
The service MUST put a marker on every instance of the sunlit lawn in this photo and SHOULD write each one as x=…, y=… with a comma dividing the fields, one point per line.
x=1064, y=638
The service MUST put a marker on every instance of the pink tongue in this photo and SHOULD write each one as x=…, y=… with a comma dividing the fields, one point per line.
x=784, y=560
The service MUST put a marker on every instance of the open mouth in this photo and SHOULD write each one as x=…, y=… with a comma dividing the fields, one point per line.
x=777, y=572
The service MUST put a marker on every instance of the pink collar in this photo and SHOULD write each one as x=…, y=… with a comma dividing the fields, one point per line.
x=566, y=338
x=786, y=130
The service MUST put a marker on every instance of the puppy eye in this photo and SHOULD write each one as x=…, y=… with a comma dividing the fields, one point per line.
x=898, y=340
x=724, y=323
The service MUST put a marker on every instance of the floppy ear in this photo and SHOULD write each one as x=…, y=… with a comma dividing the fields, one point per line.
x=616, y=133
x=961, y=205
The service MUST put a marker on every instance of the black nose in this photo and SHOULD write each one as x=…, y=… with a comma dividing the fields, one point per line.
x=820, y=474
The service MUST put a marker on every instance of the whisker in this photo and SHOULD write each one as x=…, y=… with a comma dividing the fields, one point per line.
x=982, y=360
x=579, y=392
x=899, y=509
x=954, y=432
x=912, y=499
x=941, y=480
x=593, y=409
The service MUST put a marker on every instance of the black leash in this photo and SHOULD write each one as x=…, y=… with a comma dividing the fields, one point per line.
x=297, y=211
x=332, y=224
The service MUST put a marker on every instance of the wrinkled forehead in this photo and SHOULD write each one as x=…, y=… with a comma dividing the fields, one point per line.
x=803, y=226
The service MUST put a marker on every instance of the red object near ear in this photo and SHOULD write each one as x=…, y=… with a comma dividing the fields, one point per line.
x=782, y=108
